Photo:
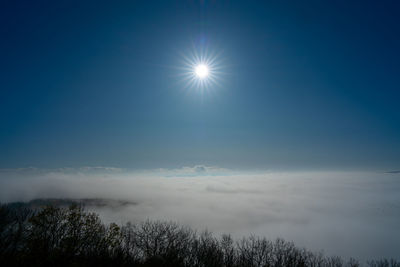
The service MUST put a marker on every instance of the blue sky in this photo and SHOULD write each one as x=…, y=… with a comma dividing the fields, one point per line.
x=96, y=83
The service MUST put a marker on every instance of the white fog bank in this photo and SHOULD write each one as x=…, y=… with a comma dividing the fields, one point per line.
x=343, y=213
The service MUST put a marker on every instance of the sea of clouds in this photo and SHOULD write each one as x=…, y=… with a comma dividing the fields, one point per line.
x=342, y=213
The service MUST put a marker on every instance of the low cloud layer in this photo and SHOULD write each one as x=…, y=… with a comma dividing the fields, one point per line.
x=343, y=213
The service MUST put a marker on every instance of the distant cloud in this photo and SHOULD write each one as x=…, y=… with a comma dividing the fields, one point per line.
x=197, y=170
x=200, y=169
x=393, y=172
x=85, y=169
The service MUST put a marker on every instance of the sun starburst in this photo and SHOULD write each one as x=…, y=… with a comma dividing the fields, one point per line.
x=201, y=69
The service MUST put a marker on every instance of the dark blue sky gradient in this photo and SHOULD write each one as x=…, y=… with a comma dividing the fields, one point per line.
x=310, y=84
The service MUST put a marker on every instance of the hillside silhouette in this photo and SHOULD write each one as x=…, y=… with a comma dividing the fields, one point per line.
x=56, y=235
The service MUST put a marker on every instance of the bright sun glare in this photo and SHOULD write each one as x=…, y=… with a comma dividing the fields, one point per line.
x=201, y=71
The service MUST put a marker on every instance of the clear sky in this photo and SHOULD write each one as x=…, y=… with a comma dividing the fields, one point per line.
x=303, y=84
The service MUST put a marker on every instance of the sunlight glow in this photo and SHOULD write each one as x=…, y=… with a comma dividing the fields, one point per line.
x=201, y=71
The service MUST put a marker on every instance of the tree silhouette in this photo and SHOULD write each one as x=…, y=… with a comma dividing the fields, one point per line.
x=55, y=236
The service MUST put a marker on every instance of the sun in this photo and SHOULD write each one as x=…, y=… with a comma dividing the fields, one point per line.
x=201, y=71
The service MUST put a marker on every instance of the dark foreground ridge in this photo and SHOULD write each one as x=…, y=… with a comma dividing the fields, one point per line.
x=70, y=236
x=85, y=202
